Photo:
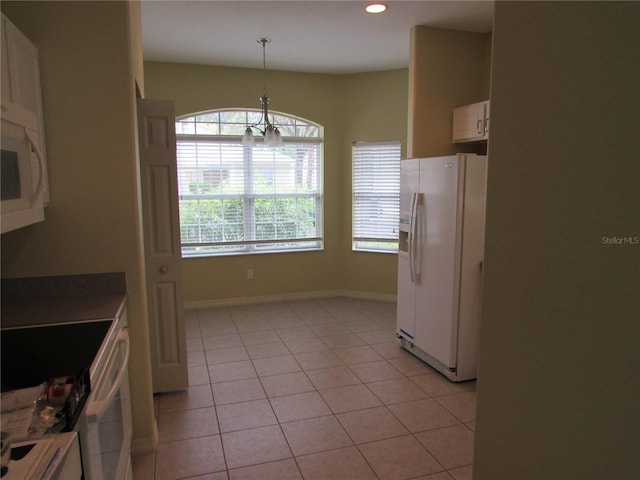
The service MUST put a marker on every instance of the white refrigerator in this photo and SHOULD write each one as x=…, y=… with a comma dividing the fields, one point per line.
x=442, y=213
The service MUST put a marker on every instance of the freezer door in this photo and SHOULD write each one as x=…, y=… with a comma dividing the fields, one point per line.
x=437, y=298
x=406, y=301
x=406, y=298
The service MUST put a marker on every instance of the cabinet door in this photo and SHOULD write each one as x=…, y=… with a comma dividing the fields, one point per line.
x=469, y=123
x=487, y=115
x=5, y=90
x=20, y=77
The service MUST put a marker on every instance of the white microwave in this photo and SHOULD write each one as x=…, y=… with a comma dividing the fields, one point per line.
x=22, y=177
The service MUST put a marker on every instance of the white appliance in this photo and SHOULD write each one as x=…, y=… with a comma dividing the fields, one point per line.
x=24, y=189
x=104, y=427
x=22, y=176
x=102, y=417
x=442, y=213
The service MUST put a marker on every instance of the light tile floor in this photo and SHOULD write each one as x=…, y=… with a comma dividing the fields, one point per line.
x=313, y=389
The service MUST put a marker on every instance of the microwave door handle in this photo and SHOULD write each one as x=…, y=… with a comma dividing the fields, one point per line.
x=97, y=408
x=36, y=149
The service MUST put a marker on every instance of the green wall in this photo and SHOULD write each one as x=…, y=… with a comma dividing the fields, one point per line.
x=558, y=385
x=350, y=108
x=447, y=69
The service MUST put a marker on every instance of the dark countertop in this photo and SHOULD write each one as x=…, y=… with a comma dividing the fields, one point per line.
x=19, y=313
x=70, y=298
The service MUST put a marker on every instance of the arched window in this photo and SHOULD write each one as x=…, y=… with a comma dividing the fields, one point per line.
x=237, y=199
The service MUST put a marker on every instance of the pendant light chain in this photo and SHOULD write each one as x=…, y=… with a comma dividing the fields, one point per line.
x=264, y=42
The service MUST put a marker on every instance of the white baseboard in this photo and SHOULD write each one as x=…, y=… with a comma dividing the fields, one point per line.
x=226, y=302
x=378, y=297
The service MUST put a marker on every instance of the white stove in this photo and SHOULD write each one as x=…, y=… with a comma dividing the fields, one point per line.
x=102, y=422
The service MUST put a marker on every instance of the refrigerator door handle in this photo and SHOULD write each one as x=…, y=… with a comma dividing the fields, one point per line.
x=412, y=222
x=418, y=247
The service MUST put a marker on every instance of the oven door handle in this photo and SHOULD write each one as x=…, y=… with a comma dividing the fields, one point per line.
x=97, y=408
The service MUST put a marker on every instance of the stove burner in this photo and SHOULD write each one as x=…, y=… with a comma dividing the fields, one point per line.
x=18, y=453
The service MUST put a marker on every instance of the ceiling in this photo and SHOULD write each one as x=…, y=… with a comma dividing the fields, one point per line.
x=316, y=36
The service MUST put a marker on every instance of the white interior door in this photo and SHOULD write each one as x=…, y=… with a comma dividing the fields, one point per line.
x=158, y=171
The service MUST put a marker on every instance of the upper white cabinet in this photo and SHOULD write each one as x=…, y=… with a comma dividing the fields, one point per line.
x=21, y=99
x=471, y=122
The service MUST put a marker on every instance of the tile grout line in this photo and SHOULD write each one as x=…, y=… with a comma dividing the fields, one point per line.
x=339, y=319
x=215, y=409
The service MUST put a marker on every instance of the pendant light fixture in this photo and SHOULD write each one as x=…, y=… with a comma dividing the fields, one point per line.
x=270, y=133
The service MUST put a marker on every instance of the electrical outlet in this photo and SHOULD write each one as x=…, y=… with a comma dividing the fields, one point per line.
x=249, y=273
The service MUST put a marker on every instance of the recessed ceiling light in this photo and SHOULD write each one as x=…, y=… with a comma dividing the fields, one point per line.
x=376, y=8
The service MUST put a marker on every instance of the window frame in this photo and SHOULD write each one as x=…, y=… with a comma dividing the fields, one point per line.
x=249, y=244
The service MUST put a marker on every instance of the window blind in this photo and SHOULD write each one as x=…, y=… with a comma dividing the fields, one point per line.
x=376, y=195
